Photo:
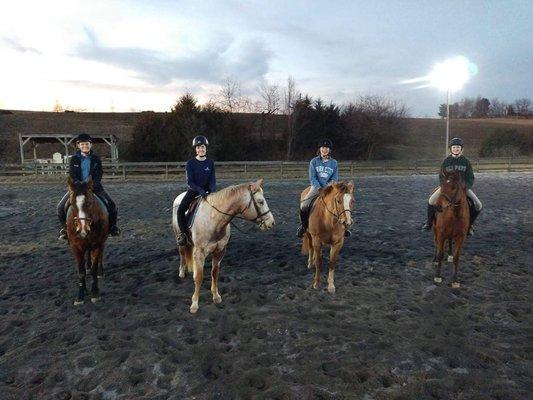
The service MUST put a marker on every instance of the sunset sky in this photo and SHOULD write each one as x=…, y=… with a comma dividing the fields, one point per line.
x=140, y=55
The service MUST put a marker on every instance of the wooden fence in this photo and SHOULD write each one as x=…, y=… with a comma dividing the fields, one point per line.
x=253, y=169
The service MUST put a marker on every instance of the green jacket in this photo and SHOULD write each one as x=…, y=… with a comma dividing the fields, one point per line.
x=460, y=164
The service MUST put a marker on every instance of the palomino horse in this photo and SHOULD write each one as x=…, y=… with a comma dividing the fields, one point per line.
x=329, y=218
x=451, y=222
x=87, y=230
x=210, y=232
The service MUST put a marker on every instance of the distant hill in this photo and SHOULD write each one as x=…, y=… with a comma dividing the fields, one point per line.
x=424, y=137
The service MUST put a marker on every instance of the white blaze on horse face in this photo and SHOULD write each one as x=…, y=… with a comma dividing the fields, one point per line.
x=80, y=200
x=267, y=218
x=347, y=204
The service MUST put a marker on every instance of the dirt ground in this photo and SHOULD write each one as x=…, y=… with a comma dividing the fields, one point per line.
x=387, y=333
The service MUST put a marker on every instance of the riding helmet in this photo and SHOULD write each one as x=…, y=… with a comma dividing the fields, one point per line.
x=200, y=140
x=456, y=141
x=326, y=143
x=84, y=137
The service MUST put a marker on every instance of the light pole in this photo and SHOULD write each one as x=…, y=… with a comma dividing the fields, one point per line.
x=447, y=122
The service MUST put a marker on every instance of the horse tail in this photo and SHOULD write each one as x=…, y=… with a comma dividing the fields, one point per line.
x=306, y=244
x=188, y=258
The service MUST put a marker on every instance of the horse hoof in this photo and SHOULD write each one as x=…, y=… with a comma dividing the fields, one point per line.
x=309, y=266
x=95, y=299
x=331, y=290
x=193, y=309
x=217, y=299
x=78, y=302
x=182, y=274
x=315, y=286
x=456, y=285
x=450, y=258
x=437, y=280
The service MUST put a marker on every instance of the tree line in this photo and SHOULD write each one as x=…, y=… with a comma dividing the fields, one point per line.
x=361, y=129
x=481, y=107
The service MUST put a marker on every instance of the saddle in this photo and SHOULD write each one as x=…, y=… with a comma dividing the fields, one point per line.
x=190, y=214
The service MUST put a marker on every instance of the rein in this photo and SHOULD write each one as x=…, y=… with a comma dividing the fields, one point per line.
x=451, y=202
x=336, y=215
x=236, y=215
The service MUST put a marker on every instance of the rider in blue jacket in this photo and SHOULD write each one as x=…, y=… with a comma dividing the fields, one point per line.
x=201, y=181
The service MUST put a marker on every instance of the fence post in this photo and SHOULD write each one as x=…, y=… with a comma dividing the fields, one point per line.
x=281, y=170
x=35, y=168
x=351, y=170
x=123, y=172
x=245, y=170
x=509, y=164
x=166, y=172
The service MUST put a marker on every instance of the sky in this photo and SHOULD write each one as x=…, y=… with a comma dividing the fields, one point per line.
x=142, y=55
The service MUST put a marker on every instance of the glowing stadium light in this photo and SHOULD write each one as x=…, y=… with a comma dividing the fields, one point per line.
x=449, y=75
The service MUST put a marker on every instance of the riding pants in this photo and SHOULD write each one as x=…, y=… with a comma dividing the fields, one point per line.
x=190, y=195
x=471, y=195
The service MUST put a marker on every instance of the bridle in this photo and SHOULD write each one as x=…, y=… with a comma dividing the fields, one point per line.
x=256, y=207
x=453, y=202
x=336, y=214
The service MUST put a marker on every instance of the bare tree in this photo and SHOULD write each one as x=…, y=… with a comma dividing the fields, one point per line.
x=522, y=107
x=230, y=98
x=57, y=106
x=290, y=96
x=271, y=99
x=497, y=108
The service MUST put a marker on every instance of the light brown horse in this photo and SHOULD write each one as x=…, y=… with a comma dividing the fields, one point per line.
x=210, y=232
x=87, y=230
x=330, y=217
x=451, y=222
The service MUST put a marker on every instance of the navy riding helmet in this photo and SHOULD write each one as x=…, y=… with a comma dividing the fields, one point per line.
x=326, y=143
x=456, y=141
x=200, y=140
x=84, y=137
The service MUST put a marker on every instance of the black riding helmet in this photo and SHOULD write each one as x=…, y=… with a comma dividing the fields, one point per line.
x=200, y=140
x=84, y=137
x=456, y=141
x=326, y=143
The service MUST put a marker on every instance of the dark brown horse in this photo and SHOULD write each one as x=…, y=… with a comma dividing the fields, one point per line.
x=330, y=217
x=87, y=230
x=451, y=222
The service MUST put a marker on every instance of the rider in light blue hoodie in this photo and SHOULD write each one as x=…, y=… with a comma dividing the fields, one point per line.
x=323, y=171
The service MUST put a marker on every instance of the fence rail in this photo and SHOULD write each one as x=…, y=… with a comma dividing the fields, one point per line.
x=253, y=169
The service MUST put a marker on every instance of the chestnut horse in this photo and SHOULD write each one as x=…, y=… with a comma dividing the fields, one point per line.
x=210, y=232
x=330, y=217
x=451, y=222
x=87, y=230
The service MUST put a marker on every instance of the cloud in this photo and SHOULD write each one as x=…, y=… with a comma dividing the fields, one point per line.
x=211, y=65
x=17, y=46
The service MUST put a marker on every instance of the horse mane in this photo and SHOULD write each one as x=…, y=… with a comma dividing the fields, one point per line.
x=342, y=187
x=228, y=192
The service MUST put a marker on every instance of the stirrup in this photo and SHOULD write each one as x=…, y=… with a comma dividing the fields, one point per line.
x=182, y=239
x=301, y=231
x=347, y=233
x=114, y=230
x=470, y=231
x=426, y=226
x=63, y=234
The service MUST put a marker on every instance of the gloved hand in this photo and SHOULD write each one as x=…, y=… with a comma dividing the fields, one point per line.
x=204, y=194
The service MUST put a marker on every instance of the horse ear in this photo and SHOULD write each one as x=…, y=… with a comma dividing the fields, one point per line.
x=350, y=186
x=258, y=184
x=327, y=190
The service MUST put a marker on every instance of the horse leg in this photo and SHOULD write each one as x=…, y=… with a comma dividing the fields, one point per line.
x=198, y=275
x=458, y=245
x=96, y=258
x=450, y=250
x=215, y=262
x=439, y=256
x=182, y=267
x=82, y=287
x=333, y=257
x=100, y=270
x=317, y=250
x=311, y=251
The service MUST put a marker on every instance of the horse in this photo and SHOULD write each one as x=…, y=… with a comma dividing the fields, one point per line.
x=330, y=216
x=87, y=231
x=451, y=222
x=210, y=232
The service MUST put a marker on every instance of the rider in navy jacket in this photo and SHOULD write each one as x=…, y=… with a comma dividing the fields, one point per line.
x=84, y=164
x=201, y=181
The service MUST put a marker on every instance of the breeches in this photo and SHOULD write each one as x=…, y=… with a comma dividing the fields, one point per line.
x=304, y=204
x=477, y=204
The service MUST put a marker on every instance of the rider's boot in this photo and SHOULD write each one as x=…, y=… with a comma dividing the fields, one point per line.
x=304, y=219
x=182, y=239
x=63, y=233
x=431, y=215
x=473, y=215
